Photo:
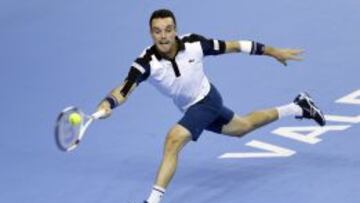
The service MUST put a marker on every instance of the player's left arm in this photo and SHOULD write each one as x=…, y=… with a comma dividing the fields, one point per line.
x=280, y=54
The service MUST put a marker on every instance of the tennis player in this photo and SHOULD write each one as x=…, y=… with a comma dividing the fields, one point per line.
x=174, y=65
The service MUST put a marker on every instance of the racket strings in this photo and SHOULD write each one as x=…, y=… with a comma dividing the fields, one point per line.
x=67, y=134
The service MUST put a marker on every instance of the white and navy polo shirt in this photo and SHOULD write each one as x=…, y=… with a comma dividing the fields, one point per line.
x=182, y=78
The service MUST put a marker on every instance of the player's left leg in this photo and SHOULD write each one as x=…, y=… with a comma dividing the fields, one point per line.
x=241, y=125
x=302, y=107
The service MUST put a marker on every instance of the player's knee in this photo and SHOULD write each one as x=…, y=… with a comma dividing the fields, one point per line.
x=175, y=140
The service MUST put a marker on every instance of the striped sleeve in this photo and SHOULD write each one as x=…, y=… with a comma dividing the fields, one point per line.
x=209, y=46
x=140, y=68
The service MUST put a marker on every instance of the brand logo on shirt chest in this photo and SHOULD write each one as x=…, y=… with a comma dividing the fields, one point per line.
x=191, y=60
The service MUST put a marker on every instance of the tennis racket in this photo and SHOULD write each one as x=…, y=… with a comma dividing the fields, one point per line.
x=67, y=135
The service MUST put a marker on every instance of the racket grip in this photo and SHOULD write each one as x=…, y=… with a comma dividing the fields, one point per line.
x=98, y=114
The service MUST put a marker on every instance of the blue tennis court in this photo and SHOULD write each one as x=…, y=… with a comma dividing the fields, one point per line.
x=55, y=54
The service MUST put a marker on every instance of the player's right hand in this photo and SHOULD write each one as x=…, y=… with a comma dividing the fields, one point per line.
x=104, y=106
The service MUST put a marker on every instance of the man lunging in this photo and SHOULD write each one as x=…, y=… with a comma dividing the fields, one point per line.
x=174, y=65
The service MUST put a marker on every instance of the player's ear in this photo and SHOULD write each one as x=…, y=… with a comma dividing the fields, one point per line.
x=150, y=28
x=151, y=32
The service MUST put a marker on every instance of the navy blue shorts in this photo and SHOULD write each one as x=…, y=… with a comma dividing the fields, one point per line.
x=209, y=114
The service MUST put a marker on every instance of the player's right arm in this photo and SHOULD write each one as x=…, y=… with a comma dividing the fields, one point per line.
x=139, y=72
x=116, y=97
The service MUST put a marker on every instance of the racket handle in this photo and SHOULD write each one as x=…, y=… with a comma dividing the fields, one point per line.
x=98, y=114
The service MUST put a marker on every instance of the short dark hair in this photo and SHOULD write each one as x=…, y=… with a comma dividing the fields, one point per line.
x=162, y=13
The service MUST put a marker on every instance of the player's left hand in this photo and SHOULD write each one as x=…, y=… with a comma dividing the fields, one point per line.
x=283, y=55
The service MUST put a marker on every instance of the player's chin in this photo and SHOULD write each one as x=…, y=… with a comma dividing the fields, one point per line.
x=164, y=48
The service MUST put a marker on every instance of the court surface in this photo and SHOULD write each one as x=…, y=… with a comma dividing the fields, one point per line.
x=59, y=53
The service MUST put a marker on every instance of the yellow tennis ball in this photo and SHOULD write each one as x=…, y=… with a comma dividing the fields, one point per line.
x=75, y=119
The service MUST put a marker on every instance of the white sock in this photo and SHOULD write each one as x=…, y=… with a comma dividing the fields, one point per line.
x=291, y=109
x=156, y=194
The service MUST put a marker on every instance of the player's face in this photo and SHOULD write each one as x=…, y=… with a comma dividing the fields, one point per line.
x=163, y=32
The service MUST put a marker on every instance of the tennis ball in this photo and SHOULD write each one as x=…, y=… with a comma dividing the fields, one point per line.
x=75, y=119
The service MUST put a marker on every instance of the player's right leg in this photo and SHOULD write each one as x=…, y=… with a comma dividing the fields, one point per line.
x=176, y=139
x=189, y=127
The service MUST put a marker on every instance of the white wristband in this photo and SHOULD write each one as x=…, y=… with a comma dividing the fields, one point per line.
x=245, y=46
